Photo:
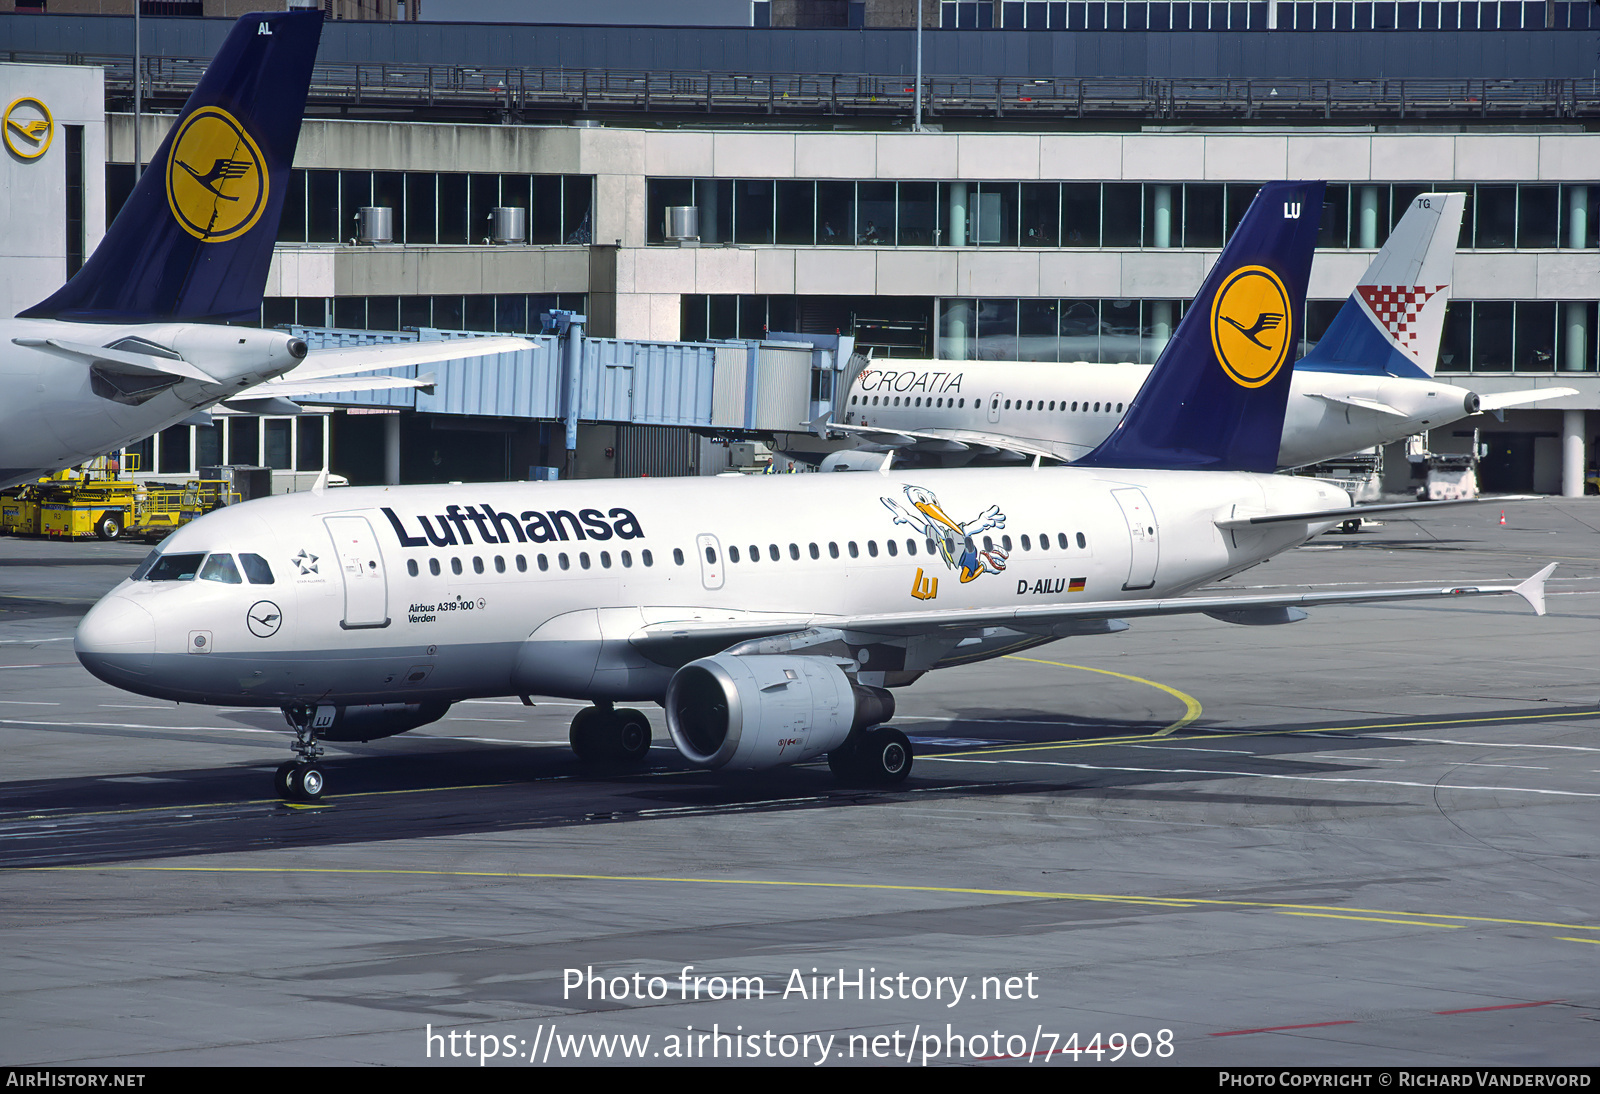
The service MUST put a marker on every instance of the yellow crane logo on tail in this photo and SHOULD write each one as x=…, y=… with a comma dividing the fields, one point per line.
x=216, y=177
x=1250, y=325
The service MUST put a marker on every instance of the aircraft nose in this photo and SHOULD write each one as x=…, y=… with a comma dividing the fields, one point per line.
x=116, y=641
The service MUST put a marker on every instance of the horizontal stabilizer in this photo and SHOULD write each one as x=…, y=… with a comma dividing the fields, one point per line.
x=332, y=384
x=1508, y=399
x=1322, y=516
x=1359, y=403
x=120, y=361
x=334, y=362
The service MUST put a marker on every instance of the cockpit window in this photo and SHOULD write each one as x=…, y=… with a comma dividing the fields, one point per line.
x=256, y=569
x=221, y=568
x=174, y=567
x=144, y=567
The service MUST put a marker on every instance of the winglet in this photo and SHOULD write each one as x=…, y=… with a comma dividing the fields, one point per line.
x=320, y=487
x=1532, y=590
x=819, y=425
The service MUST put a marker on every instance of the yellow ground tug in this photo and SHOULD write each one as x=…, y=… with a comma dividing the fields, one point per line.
x=97, y=500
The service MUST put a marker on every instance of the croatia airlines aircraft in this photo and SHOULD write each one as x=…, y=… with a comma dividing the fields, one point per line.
x=136, y=340
x=1369, y=380
x=769, y=616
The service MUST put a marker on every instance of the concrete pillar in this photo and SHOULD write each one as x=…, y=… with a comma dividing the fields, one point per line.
x=1577, y=215
x=705, y=192
x=1575, y=336
x=1572, y=454
x=1161, y=199
x=958, y=214
x=391, y=449
x=1160, y=326
x=1367, y=236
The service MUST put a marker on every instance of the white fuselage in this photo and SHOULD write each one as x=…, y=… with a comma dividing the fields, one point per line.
x=57, y=412
x=407, y=594
x=1074, y=406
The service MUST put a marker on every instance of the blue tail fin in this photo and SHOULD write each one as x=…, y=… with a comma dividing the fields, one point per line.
x=1392, y=324
x=195, y=238
x=1215, y=399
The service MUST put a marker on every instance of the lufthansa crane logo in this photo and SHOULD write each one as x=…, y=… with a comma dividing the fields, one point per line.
x=264, y=618
x=216, y=177
x=29, y=128
x=1250, y=327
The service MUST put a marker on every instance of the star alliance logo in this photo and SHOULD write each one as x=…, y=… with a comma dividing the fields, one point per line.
x=306, y=561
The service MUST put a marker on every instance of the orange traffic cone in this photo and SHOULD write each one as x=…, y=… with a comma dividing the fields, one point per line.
x=1502, y=518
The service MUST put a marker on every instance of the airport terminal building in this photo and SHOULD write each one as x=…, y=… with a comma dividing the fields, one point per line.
x=1075, y=177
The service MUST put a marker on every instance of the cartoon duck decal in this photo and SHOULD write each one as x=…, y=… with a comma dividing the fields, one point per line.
x=957, y=542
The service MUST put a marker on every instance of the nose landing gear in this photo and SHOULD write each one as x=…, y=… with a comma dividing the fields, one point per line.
x=301, y=779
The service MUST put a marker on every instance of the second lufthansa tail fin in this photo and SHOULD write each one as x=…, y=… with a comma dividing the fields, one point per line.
x=195, y=238
x=1215, y=398
x=1391, y=325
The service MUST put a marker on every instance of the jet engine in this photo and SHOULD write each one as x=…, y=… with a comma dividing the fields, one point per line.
x=754, y=712
x=373, y=720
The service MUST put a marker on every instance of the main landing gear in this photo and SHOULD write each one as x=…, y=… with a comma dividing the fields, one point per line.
x=301, y=779
x=602, y=734
x=880, y=756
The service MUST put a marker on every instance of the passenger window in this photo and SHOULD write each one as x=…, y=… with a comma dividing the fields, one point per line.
x=733, y=554
x=911, y=547
x=872, y=548
x=477, y=564
x=755, y=553
x=544, y=564
x=433, y=567
x=411, y=567
x=257, y=572
x=627, y=560
x=583, y=559
x=647, y=558
x=605, y=560
x=563, y=561
x=988, y=544
x=1026, y=546
x=894, y=548
x=1061, y=541
x=773, y=552
x=221, y=568
x=1081, y=541
x=499, y=564
x=1005, y=541
x=455, y=565
x=677, y=555
x=522, y=564
x=175, y=568
x=932, y=547
x=814, y=552
x=711, y=554
x=854, y=552
x=794, y=551
x=833, y=550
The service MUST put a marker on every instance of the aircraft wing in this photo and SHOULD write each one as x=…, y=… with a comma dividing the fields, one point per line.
x=699, y=635
x=959, y=440
x=1507, y=399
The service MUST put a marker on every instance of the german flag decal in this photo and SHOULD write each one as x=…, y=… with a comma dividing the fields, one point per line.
x=1076, y=584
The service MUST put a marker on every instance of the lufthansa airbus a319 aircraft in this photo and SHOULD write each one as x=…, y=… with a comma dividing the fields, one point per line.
x=137, y=340
x=1368, y=381
x=769, y=616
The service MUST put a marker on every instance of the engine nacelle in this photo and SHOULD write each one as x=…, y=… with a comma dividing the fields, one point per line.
x=755, y=712
x=373, y=720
